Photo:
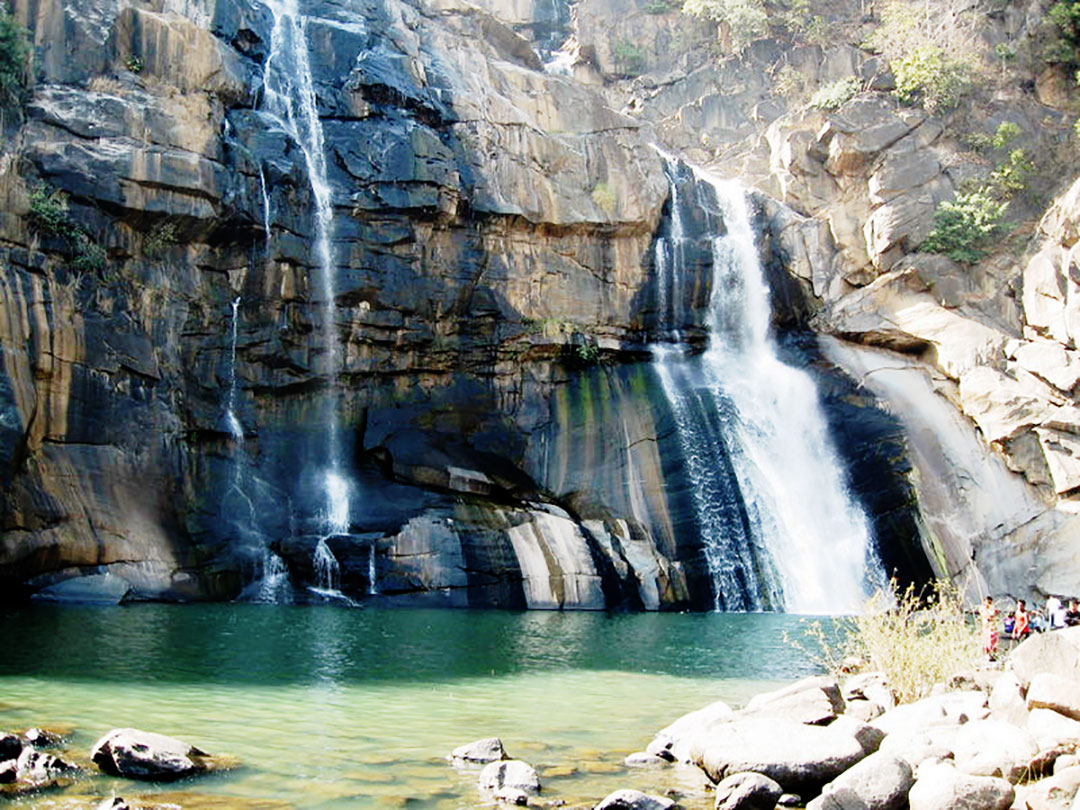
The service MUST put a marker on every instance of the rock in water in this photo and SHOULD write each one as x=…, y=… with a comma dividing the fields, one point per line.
x=489, y=749
x=10, y=747
x=509, y=778
x=747, y=791
x=137, y=754
x=634, y=800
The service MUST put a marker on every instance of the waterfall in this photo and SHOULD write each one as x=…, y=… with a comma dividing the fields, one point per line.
x=232, y=423
x=267, y=220
x=779, y=528
x=289, y=96
x=373, y=587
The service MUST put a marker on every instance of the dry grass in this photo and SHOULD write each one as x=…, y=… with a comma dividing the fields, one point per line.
x=917, y=639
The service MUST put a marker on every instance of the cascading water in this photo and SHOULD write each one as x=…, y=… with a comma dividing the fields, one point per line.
x=232, y=423
x=779, y=527
x=289, y=96
x=271, y=580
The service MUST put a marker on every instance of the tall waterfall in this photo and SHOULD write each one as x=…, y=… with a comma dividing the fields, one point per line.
x=779, y=528
x=289, y=96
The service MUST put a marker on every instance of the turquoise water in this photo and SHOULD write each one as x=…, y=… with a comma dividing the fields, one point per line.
x=333, y=708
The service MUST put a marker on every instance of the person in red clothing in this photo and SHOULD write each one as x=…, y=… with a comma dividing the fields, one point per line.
x=1022, y=624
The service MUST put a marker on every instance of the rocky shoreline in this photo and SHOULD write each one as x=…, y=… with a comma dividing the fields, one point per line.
x=992, y=739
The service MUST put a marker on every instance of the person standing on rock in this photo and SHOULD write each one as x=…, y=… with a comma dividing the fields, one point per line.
x=1072, y=615
x=1022, y=623
x=988, y=614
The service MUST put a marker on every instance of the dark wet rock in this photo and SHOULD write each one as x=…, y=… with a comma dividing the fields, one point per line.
x=9, y=771
x=11, y=745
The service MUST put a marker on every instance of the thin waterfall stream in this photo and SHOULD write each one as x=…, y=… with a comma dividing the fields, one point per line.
x=780, y=530
x=289, y=96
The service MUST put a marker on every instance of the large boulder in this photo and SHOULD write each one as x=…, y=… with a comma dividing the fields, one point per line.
x=1052, y=730
x=942, y=787
x=136, y=754
x=950, y=709
x=1057, y=653
x=1007, y=702
x=814, y=700
x=994, y=748
x=917, y=746
x=678, y=740
x=800, y=757
x=1051, y=691
x=747, y=791
x=879, y=782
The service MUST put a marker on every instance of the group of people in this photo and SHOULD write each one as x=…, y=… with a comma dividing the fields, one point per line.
x=1021, y=623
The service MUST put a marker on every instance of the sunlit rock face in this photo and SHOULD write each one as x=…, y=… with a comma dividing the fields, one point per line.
x=503, y=437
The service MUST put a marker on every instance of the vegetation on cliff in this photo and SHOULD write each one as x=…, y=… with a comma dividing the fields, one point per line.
x=14, y=58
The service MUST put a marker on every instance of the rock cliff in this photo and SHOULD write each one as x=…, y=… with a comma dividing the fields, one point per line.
x=164, y=376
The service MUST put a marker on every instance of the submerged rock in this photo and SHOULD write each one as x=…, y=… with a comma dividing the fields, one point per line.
x=628, y=799
x=146, y=755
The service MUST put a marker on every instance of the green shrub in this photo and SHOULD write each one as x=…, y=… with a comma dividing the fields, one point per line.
x=14, y=58
x=659, y=7
x=1065, y=14
x=48, y=216
x=1011, y=176
x=928, y=76
x=789, y=83
x=964, y=227
x=916, y=639
x=48, y=213
x=160, y=238
x=629, y=58
x=134, y=63
x=746, y=20
x=834, y=95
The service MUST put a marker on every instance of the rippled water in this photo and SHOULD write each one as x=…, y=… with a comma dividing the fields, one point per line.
x=335, y=708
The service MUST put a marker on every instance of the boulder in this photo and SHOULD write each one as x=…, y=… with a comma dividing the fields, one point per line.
x=678, y=739
x=950, y=709
x=489, y=749
x=1056, y=653
x=634, y=800
x=917, y=746
x=869, y=737
x=801, y=758
x=871, y=686
x=1007, y=701
x=9, y=772
x=1057, y=792
x=879, y=782
x=747, y=791
x=1052, y=730
x=815, y=700
x=136, y=754
x=994, y=748
x=942, y=787
x=1050, y=691
x=509, y=777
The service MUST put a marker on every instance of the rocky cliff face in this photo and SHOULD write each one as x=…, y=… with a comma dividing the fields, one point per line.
x=491, y=258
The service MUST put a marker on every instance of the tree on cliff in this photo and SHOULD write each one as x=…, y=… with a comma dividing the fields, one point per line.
x=14, y=58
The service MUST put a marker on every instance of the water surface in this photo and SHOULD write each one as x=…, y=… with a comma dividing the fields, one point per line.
x=333, y=708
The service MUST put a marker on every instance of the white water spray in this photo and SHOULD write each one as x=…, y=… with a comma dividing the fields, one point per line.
x=236, y=430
